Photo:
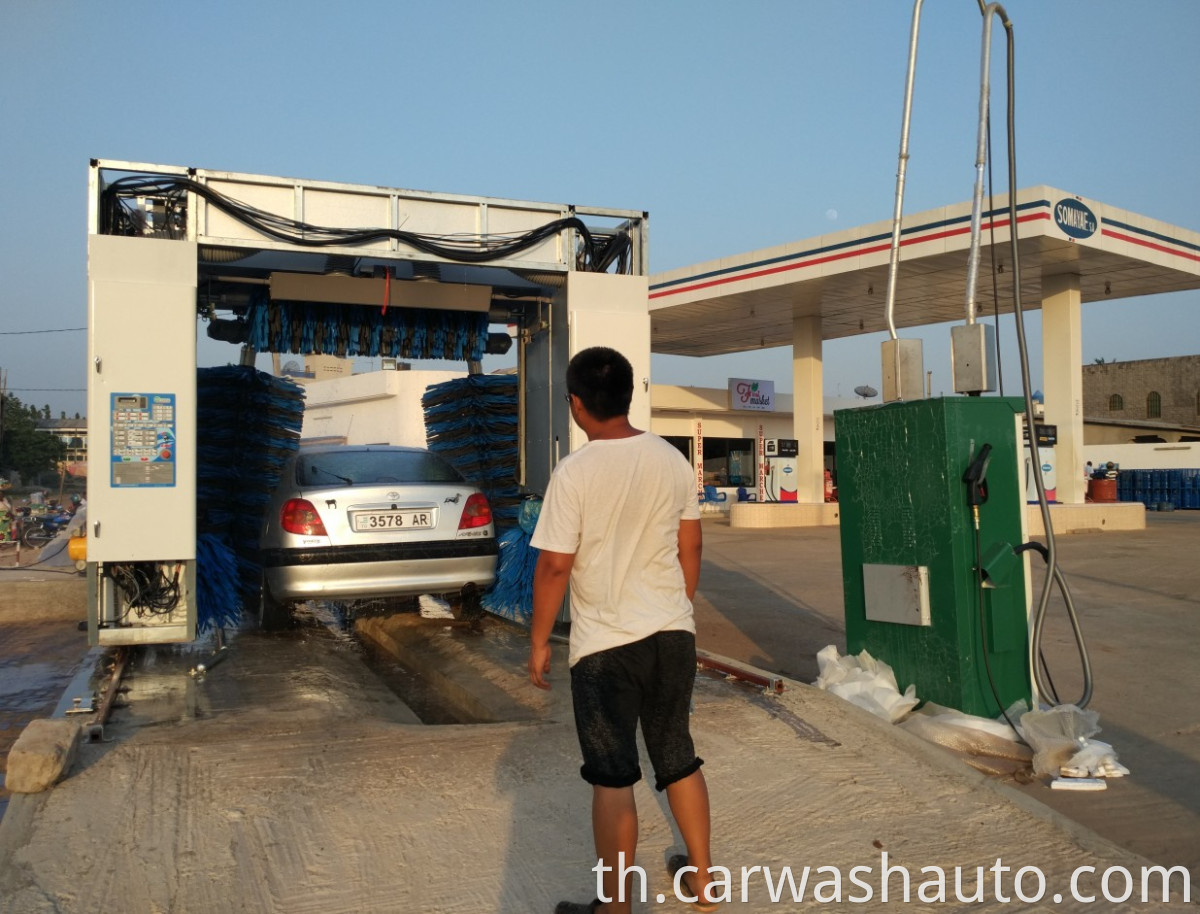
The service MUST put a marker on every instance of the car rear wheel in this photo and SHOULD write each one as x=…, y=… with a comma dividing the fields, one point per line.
x=274, y=615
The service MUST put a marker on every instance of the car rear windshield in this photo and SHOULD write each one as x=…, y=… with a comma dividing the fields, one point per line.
x=367, y=468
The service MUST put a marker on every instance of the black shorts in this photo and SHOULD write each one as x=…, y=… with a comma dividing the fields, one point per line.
x=648, y=681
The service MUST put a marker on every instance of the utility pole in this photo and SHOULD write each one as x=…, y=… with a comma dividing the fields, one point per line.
x=3, y=404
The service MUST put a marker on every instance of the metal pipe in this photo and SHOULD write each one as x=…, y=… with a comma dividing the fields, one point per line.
x=200, y=669
x=992, y=9
x=894, y=261
x=522, y=402
x=120, y=661
x=769, y=683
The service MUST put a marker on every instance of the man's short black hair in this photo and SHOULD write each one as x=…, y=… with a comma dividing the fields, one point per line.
x=602, y=379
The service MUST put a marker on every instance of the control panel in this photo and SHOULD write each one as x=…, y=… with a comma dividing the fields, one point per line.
x=143, y=440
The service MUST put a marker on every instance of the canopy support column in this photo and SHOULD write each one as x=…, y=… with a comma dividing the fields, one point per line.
x=1062, y=380
x=808, y=411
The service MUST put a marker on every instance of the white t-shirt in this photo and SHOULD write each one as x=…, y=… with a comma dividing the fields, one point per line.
x=616, y=504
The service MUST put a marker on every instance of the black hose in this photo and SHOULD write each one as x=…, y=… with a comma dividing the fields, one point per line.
x=987, y=663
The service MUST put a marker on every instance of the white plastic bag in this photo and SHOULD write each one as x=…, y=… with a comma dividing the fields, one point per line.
x=1056, y=735
x=1095, y=759
x=866, y=682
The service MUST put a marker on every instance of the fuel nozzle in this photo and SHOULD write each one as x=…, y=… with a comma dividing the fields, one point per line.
x=975, y=478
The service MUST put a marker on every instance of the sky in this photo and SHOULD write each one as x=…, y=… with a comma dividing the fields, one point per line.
x=737, y=126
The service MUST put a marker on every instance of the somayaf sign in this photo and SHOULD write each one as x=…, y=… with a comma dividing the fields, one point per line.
x=1075, y=219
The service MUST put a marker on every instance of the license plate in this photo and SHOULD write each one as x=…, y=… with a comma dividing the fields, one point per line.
x=370, y=521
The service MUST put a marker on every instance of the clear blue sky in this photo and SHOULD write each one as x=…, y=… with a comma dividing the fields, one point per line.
x=736, y=125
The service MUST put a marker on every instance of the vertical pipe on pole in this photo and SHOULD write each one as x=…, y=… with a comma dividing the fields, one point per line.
x=989, y=11
x=902, y=168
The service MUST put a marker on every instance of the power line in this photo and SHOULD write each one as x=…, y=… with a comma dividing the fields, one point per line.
x=24, y=332
x=61, y=390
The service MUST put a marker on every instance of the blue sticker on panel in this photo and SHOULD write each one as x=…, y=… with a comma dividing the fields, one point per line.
x=143, y=440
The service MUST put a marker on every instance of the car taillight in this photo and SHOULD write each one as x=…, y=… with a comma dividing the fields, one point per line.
x=299, y=516
x=476, y=512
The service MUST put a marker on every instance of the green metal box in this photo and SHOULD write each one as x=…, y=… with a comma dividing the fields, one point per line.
x=910, y=550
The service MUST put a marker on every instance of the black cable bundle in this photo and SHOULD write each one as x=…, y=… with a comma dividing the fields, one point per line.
x=121, y=217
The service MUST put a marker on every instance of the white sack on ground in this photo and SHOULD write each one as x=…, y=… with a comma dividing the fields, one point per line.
x=864, y=681
x=1095, y=759
x=987, y=745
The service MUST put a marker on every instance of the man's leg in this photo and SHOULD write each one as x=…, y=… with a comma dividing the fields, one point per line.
x=689, y=805
x=615, y=832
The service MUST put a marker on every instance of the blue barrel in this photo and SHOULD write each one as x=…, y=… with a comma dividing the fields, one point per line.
x=1125, y=487
x=1158, y=486
x=1175, y=487
x=1141, y=486
x=1191, y=488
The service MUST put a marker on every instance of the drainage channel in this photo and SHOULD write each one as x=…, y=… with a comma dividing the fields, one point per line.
x=424, y=696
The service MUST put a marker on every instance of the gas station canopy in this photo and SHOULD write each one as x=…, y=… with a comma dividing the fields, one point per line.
x=749, y=301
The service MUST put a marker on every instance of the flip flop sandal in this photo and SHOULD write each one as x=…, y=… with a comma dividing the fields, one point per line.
x=574, y=907
x=674, y=865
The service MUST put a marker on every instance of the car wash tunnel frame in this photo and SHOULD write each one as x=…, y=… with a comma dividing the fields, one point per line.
x=275, y=264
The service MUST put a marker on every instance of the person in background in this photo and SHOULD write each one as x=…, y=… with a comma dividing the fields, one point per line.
x=620, y=525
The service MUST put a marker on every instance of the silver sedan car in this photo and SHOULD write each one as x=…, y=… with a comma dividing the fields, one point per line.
x=350, y=522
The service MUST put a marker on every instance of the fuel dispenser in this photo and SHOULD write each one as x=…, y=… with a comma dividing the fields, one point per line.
x=931, y=505
x=1047, y=438
x=779, y=471
x=934, y=560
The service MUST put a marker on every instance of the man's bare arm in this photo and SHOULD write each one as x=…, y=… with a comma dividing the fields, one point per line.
x=691, y=546
x=550, y=580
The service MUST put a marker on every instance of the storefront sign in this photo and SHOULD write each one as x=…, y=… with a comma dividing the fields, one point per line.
x=699, y=456
x=748, y=394
x=762, y=467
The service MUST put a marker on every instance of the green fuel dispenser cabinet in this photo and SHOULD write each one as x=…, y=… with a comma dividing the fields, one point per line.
x=910, y=550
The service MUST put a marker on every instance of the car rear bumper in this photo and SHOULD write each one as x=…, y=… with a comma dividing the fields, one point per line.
x=358, y=572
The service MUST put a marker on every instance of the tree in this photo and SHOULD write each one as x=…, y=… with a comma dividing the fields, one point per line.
x=23, y=447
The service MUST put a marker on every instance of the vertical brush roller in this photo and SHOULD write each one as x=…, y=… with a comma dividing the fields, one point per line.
x=472, y=423
x=511, y=597
x=248, y=424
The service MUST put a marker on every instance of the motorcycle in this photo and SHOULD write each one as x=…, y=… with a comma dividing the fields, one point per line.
x=36, y=532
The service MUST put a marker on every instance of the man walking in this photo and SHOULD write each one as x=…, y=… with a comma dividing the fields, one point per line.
x=621, y=524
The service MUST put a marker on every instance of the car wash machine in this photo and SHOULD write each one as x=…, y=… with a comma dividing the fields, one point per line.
x=274, y=264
